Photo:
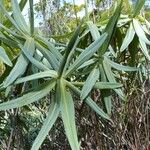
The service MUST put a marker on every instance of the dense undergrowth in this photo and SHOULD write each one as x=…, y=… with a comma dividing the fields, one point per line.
x=88, y=90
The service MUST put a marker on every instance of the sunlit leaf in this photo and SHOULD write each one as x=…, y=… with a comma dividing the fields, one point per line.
x=4, y=57
x=139, y=31
x=128, y=38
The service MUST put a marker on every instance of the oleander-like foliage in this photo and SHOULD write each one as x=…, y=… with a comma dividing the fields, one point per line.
x=97, y=57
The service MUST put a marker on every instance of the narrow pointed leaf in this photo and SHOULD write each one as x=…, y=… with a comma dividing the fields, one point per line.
x=69, y=48
x=48, y=124
x=93, y=30
x=128, y=38
x=139, y=31
x=106, y=97
x=107, y=85
x=28, y=50
x=30, y=97
x=49, y=56
x=52, y=48
x=119, y=66
x=68, y=115
x=144, y=49
x=17, y=70
x=138, y=6
x=110, y=29
x=87, y=53
x=20, y=65
x=90, y=82
x=90, y=102
x=50, y=73
x=19, y=17
x=111, y=78
x=4, y=57
x=9, y=17
x=87, y=63
x=96, y=108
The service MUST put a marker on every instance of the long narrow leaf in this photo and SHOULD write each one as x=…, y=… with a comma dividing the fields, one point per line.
x=68, y=115
x=4, y=57
x=48, y=124
x=93, y=30
x=144, y=49
x=19, y=17
x=87, y=53
x=119, y=66
x=139, y=31
x=29, y=98
x=31, y=18
x=50, y=73
x=111, y=78
x=69, y=47
x=138, y=6
x=110, y=29
x=90, y=82
x=17, y=70
x=128, y=38
x=90, y=102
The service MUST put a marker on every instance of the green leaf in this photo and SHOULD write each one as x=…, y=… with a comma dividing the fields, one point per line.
x=144, y=49
x=48, y=124
x=30, y=97
x=69, y=48
x=9, y=17
x=107, y=85
x=28, y=50
x=128, y=38
x=93, y=30
x=31, y=18
x=96, y=108
x=68, y=115
x=4, y=57
x=110, y=29
x=87, y=53
x=35, y=62
x=10, y=31
x=119, y=66
x=17, y=70
x=49, y=56
x=90, y=82
x=106, y=96
x=138, y=6
x=87, y=63
x=19, y=17
x=111, y=78
x=139, y=31
x=51, y=48
x=50, y=73
x=100, y=85
x=20, y=65
x=1, y=12
x=21, y=5
x=90, y=102
x=8, y=42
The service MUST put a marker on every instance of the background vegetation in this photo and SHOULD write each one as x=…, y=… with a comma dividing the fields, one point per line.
x=75, y=83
